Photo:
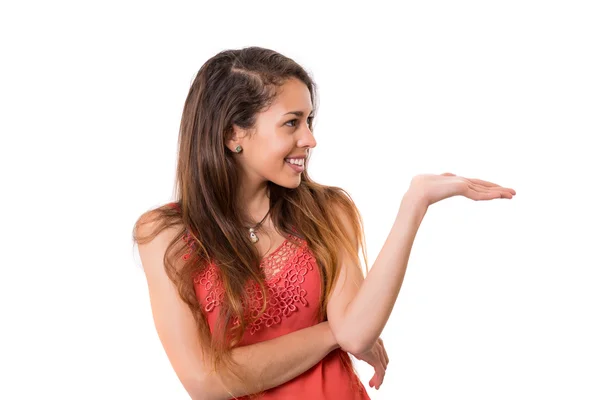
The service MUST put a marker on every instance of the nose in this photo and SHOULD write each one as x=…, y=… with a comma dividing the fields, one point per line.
x=307, y=138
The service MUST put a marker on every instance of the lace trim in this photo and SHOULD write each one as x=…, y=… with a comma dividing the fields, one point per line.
x=285, y=270
x=274, y=262
x=191, y=244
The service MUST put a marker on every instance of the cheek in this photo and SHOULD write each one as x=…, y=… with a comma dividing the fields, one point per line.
x=281, y=151
x=276, y=148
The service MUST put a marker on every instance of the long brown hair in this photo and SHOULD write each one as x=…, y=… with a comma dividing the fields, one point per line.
x=231, y=88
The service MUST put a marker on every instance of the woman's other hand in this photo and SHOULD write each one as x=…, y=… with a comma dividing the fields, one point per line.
x=431, y=188
x=376, y=357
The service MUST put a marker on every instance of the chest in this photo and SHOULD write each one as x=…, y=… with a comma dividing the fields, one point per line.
x=293, y=282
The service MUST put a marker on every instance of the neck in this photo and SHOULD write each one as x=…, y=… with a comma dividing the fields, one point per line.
x=254, y=204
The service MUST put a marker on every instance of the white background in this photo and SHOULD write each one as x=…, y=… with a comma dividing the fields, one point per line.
x=500, y=299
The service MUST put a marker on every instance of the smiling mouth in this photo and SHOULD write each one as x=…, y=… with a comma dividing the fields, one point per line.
x=299, y=167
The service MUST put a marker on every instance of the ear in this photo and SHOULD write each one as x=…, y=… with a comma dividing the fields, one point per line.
x=235, y=137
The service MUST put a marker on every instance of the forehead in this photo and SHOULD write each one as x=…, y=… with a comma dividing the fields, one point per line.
x=293, y=96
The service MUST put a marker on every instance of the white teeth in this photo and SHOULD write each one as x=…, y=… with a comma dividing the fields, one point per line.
x=297, y=161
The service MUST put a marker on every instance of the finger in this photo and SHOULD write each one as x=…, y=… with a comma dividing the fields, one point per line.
x=381, y=356
x=381, y=370
x=489, y=193
x=379, y=381
x=482, y=182
x=479, y=196
x=384, y=352
x=491, y=185
x=482, y=195
x=375, y=380
x=501, y=189
x=387, y=359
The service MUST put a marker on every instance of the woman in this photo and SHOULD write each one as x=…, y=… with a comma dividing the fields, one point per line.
x=254, y=277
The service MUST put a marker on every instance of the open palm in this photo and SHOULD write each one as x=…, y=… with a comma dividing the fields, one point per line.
x=433, y=188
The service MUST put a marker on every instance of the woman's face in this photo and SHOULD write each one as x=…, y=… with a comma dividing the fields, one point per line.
x=282, y=131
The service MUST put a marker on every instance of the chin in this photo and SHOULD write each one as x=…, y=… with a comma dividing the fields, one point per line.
x=288, y=179
x=286, y=182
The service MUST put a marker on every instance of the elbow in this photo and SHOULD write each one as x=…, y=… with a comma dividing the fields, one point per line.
x=200, y=390
x=363, y=347
x=350, y=342
x=357, y=347
x=353, y=342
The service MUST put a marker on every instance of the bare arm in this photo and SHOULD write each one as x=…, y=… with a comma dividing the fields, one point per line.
x=271, y=363
x=274, y=362
x=368, y=311
x=358, y=313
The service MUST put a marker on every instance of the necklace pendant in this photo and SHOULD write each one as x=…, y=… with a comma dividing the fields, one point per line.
x=253, y=236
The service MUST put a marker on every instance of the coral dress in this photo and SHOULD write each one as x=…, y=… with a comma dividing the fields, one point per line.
x=294, y=286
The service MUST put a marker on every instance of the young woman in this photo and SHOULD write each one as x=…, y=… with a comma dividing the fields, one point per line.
x=255, y=282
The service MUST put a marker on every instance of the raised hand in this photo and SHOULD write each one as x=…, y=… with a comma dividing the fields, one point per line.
x=376, y=357
x=432, y=188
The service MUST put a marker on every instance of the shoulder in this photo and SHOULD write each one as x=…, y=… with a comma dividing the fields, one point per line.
x=155, y=229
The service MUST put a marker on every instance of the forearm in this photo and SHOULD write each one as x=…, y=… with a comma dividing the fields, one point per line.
x=273, y=362
x=369, y=311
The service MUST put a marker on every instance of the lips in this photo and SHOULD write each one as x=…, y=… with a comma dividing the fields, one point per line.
x=295, y=167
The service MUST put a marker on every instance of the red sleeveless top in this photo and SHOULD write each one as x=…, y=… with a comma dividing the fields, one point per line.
x=293, y=280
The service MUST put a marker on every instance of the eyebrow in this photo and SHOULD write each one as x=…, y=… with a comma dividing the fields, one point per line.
x=298, y=113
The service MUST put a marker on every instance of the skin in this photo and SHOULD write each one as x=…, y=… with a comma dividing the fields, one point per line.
x=280, y=135
x=277, y=136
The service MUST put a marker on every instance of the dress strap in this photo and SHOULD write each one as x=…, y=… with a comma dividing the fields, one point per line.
x=174, y=205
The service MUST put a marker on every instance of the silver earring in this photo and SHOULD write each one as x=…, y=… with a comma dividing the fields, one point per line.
x=238, y=149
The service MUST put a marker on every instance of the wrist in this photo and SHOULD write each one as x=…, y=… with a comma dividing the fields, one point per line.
x=415, y=202
x=415, y=196
x=329, y=338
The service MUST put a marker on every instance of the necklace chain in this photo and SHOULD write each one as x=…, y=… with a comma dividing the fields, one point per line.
x=252, y=230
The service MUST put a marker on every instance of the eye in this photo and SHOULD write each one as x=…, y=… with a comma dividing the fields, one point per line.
x=309, y=119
